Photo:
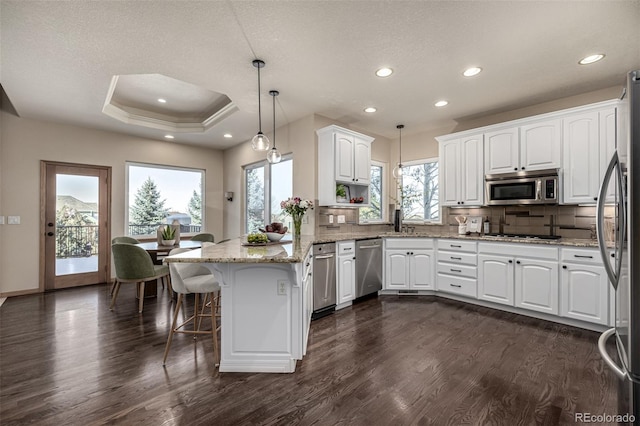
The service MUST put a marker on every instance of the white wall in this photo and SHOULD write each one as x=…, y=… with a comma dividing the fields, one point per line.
x=25, y=142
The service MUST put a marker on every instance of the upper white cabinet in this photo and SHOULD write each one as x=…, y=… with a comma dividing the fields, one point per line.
x=589, y=140
x=534, y=146
x=344, y=157
x=462, y=171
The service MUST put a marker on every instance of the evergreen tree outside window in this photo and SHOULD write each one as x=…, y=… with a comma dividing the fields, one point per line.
x=420, y=197
x=265, y=186
x=158, y=195
x=376, y=210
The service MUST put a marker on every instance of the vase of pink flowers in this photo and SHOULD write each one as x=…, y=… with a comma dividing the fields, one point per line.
x=296, y=208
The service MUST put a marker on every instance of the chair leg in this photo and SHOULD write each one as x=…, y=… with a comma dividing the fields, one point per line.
x=214, y=333
x=113, y=286
x=173, y=328
x=169, y=287
x=140, y=296
x=115, y=294
x=204, y=306
x=196, y=319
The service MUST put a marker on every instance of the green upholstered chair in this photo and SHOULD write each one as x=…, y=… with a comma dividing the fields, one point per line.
x=193, y=278
x=124, y=240
x=208, y=238
x=134, y=265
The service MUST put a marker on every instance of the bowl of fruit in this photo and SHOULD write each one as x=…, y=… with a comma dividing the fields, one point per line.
x=257, y=238
x=357, y=200
x=275, y=231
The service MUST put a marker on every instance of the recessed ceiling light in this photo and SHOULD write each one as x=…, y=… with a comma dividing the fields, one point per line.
x=591, y=59
x=441, y=103
x=384, y=72
x=162, y=101
x=370, y=109
x=169, y=136
x=228, y=135
x=470, y=72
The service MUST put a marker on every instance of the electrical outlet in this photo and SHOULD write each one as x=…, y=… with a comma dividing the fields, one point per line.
x=14, y=220
x=282, y=288
x=330, y=218
x=341, y=218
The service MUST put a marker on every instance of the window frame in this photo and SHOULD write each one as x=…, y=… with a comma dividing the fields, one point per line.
x=384, y=194
x=267, y=188
x=203, y=178
x=416, y=163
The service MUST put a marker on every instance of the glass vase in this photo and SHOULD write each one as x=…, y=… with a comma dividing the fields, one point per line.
x=297, y=224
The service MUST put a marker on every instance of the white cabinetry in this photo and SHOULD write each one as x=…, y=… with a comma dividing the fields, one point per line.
x=346, y=271
x=584, y=287
x=307, y=298
x=534, y=146
x=589, y=139
x=496, y=274
x=344, y=157
x=461, y=163
x=457, y=267
x=536, y=284
x=409, y=264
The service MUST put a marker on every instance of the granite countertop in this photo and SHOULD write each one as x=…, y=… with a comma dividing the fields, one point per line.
x=233, y=251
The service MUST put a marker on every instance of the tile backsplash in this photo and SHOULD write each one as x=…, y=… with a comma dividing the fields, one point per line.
x=565, y=221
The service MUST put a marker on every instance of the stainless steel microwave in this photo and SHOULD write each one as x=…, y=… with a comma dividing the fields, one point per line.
x=530, y=187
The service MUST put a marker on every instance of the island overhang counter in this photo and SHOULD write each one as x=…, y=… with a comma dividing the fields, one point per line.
x=266, y=305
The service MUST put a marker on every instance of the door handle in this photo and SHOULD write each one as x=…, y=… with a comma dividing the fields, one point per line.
x=328, y=256
x=50, y=234
x=50, y=224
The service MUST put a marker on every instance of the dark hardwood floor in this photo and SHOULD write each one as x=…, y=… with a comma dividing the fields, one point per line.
x=65, y=359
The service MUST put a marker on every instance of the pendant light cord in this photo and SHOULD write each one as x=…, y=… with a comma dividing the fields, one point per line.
x=400, y=127
x=274, y=120
x=259, y=107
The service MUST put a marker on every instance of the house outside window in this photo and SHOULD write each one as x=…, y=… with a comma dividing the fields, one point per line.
x=420, y=196
x=158, y=195
x=376, y=211
x=266, y=185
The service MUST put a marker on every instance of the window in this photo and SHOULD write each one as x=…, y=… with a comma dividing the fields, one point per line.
x=377, y=191
x=159, y=195
x=420, y=198
x=266, y=185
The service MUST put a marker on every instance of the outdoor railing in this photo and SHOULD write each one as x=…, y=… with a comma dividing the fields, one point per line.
x=76, y=241
x=151, y=229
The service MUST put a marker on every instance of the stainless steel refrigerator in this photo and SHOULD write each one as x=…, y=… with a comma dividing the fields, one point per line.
x=623, y=268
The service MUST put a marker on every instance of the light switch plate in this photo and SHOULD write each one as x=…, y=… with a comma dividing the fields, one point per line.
x=341, y=218
x=14, y=220
x=330, y=218
x=1, y=220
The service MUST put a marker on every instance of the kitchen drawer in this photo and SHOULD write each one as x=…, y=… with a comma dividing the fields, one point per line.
x=457, y=245
x=458, y=285
x=461, y=270
x=520, y=250
x=454, y=257
x=581, y=256
x=409, y=243
x=346, y=247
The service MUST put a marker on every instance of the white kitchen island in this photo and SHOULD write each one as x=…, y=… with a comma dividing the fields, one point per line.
x=267, y=301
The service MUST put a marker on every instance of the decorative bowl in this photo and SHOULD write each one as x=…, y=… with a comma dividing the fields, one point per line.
x=274, y=236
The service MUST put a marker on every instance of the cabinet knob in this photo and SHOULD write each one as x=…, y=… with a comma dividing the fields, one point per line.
x=515, y=168
x=461, y=202
x=411, y=253
x=612, y=255
x=518, y=262
x=564, y=266
x=408, y=253
x=354, y=258
x=595, y=198
x=510, y=261
x=522, y=168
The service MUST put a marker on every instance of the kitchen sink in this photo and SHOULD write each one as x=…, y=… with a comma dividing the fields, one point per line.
x=526, y=236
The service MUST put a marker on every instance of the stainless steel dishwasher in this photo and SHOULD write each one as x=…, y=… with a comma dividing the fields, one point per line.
x=324, y=279
x=368, y=266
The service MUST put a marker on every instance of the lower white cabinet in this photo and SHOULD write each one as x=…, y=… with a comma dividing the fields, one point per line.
x=409, y=264
x=584, y=286
x=536, y=285
x=346, y=271
x=496, y=278
x=307, y=298
x=457, y=267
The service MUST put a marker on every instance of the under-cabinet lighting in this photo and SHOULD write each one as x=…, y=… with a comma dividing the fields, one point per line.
x=441, y=103
x=162, y=101
x=228, y=135
x=370, y=109
x=169, y=137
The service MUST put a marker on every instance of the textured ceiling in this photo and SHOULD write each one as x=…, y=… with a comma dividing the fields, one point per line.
x=58, y=58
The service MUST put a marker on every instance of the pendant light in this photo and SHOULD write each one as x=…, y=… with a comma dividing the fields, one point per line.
x=260, y=141
x=397, y=170
x=274, y=155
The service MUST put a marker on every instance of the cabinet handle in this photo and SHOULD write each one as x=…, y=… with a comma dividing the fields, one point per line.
x=456, y=270
x=456, y=285
x=455, y=258
x=564, y=266
x=518, y=262
x=583, y=256
x=453, y=245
